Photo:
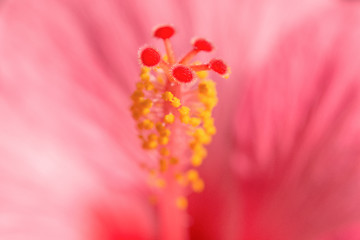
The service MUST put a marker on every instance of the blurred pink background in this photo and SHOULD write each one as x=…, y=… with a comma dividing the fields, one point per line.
x=283, y=165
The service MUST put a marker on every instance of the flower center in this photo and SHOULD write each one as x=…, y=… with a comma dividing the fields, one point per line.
x=172, y=106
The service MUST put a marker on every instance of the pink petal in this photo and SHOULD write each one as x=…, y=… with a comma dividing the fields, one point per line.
x=66, y=73
x=298, y=132
x=245, y=41
x=67, y=155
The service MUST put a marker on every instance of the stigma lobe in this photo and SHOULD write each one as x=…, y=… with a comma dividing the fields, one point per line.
x=182, y=74
x=164, y=32
x=202, y=44
x=218, y=66
x=149, y=57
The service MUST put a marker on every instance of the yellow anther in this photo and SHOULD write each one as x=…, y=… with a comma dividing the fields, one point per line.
x=146, y=103
x=200, y=150
x=207, y=94
x=145, y=70
x=184, y=111
x=174, y=160
x=165, y=58
x=181, y=203
x=164, y=152
x=185, y=119
x=160, y=183
x=202, y=74
x=150, y=144
x=145, y=111
x=209, y=126
x=153, y=144
x=137, y=95
x=146, y=124
x=207, y=88
x=201, y=136
x=165, y=132
x=168, y=96
x=152, y=137
x=209, y=121
x=196, y=160
x=198, y=185
x=192, y=175
x=195, y=121
x=145, y=77
x=211, y=130
x=169, y=118
x=211, y=103
x=176, y=102
x=149, y=86
x=163, y=165
x=205, y=114
x=163, y=140
x=203, y=88
x=160, y=127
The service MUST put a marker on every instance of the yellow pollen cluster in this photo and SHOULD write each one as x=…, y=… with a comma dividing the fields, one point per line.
x=157, y=112
x=174, y=120
x=168, y=96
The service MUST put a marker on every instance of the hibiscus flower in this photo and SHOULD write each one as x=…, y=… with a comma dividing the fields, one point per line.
x=284, y=161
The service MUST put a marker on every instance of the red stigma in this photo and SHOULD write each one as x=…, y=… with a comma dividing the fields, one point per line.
x=149, y=57
x=218, y=66
x=202, y=44
x=182, y=73
x=180, y=70
x=164, y=32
